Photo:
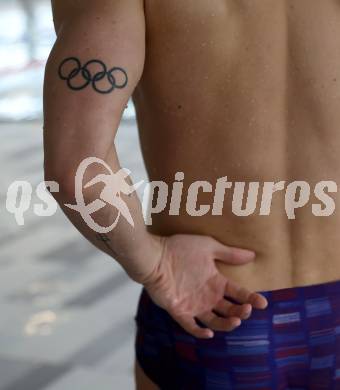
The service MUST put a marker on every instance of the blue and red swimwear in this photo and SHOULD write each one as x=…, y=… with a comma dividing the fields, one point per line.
x=293, y=344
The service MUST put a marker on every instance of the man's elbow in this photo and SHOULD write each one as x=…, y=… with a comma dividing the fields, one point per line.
x=65, y=180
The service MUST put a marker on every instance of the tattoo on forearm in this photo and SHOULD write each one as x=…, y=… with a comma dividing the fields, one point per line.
x=94, y=73
x=105, y=239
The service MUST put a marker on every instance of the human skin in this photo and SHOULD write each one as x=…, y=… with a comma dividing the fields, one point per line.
x=244, y=89
x=248, y=90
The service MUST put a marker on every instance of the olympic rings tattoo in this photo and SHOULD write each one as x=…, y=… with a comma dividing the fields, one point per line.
x=75, y=69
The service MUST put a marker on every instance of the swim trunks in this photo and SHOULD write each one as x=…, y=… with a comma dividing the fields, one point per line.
x=293, y=344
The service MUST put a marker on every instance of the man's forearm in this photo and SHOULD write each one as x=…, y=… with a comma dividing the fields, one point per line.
x=132, y=246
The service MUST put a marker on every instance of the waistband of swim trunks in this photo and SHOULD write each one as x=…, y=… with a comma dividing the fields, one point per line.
x=303, y=292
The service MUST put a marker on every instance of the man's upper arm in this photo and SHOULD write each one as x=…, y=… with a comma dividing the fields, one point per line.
x=92, y=71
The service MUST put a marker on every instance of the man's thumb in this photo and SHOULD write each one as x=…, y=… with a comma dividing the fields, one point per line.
x=234, y=256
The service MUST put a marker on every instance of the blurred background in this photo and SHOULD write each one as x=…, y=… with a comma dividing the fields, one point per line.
x=66, y=310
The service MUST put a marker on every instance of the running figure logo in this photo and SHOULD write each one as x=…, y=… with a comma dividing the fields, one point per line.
x=115, y=185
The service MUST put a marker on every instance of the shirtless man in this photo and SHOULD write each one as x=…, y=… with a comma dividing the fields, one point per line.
x=247, y=89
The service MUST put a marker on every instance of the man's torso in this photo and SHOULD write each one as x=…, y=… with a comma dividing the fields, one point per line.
x=249, y=90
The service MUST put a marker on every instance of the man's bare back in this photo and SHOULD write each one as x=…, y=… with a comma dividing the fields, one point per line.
x=249, y=90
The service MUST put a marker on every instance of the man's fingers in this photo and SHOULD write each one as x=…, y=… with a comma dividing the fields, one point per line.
x=228, y=309
x=243, y=295
x=189, y=324
x=233, y=256
x=219, y=323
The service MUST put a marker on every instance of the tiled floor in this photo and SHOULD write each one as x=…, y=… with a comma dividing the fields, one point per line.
x=66, y=310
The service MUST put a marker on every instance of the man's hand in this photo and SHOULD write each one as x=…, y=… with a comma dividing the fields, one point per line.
x=187, y=283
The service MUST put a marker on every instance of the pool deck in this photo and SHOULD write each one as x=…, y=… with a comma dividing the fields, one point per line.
x=67, y=311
